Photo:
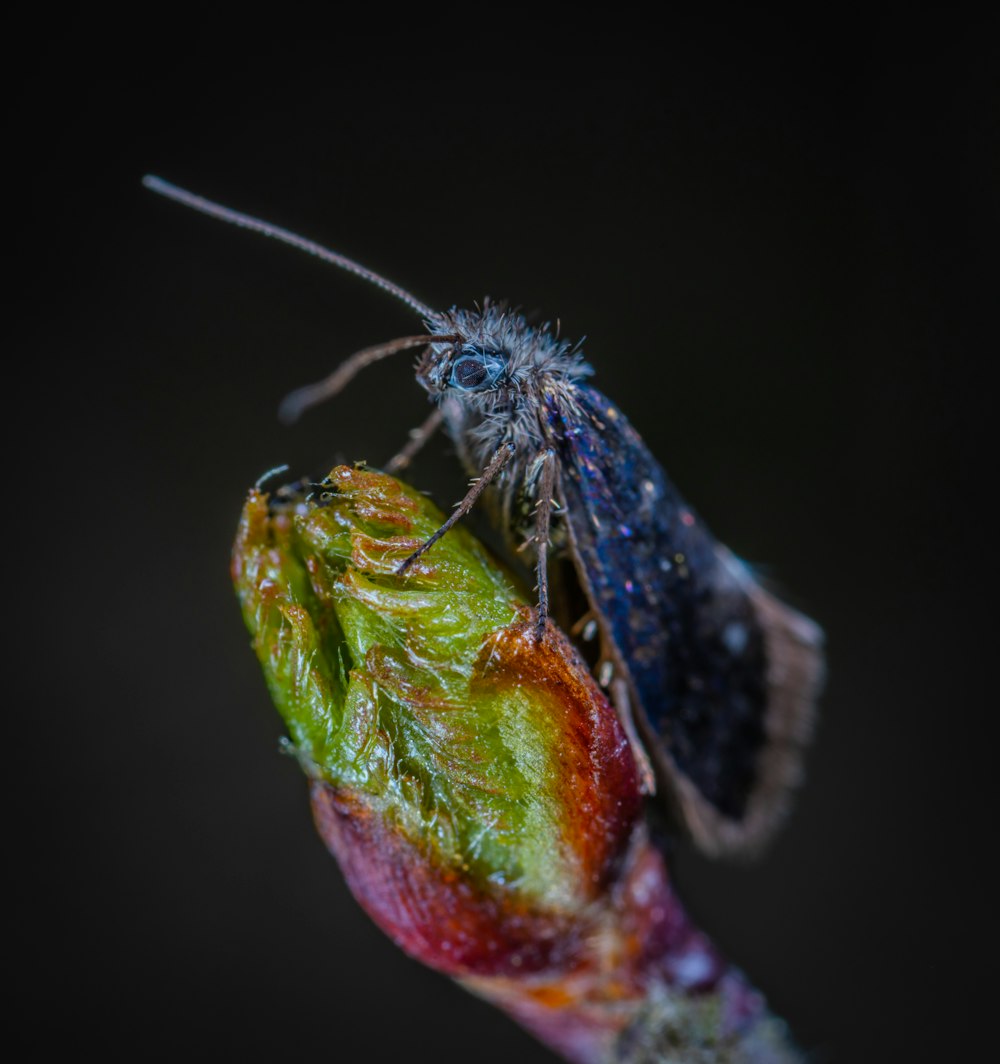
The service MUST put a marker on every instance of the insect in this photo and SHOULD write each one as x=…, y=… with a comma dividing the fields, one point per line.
x=715, y=674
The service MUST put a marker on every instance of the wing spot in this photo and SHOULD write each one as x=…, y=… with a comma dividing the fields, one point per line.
x=735, y=636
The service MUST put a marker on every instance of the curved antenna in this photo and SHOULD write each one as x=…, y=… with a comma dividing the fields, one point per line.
x=310, y=247
x=296, y=403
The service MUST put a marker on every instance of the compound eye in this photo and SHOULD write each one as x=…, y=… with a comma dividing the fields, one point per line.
x=476, y=369
x=469, y=372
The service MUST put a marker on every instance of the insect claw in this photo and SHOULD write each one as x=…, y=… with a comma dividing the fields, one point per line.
x=270, y=475
x=540, y=626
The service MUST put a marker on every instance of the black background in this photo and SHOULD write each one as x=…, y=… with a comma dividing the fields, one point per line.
x=768, y=234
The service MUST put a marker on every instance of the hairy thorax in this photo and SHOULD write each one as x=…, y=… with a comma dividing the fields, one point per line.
x=496, y=379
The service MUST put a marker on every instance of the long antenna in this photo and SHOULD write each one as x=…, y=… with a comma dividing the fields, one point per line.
x=294, y=404
x=245, y=221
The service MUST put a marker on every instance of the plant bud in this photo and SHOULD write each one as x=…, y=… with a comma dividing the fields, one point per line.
x=473, y=782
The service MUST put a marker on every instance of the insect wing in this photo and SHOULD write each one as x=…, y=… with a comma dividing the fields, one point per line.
x=723, y=676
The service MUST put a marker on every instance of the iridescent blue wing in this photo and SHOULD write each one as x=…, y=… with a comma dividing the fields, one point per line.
x=723, y=677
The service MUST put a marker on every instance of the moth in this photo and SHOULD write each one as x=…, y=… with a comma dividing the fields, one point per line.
x=715, y=679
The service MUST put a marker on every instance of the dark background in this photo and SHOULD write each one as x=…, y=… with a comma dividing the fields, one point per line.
x=769, y=236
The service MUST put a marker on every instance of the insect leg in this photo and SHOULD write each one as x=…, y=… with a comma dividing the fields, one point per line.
x=585, y=627
x=543, y=518
x=504, y=453
x=623, y=704
x=418, y=437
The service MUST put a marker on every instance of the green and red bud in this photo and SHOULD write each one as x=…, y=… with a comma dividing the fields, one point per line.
x=474, y=783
